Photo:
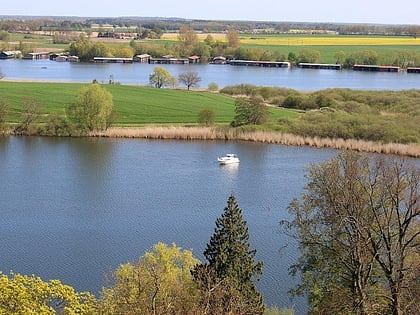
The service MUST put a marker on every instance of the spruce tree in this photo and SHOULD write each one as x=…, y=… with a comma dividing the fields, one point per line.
x=231, y=260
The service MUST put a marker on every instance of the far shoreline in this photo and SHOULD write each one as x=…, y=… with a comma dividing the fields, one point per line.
x=231, y=134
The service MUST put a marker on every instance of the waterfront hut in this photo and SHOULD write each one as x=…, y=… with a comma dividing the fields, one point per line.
x=61, y=58
x=73, y=59
x=259, y=63
x=413, y=70
x=219, y=60
x=36, y=55
x=9, y=54
x=112, y=60
x=325, y=66
x=376, y=68
x=144, y=58
x=165, y=60
x=194, y=59
x=53, y=56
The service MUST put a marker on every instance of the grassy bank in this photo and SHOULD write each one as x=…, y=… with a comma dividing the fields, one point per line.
x=133, y=105
x=372, y=121
x=207, y=133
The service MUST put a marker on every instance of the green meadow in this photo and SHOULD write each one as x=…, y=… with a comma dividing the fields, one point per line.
x=134, y=105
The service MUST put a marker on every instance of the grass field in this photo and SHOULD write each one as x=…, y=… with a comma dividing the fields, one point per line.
x=133, y=105
x=327, y=45
x=317, y=40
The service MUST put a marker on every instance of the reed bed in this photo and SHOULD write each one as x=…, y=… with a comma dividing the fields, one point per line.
x=214, y=133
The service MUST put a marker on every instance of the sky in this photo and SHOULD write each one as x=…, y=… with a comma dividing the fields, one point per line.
x=339, y=11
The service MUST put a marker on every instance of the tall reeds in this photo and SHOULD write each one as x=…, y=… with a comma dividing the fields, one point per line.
x=212, y=133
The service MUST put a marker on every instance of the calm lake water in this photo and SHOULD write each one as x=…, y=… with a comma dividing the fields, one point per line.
x=295, y=78
x=74, y=209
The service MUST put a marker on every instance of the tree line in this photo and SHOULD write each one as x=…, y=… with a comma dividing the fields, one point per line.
x=188, y=44
x=173, y=24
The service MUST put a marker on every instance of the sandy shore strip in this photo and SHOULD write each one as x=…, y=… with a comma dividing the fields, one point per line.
x=211, y=133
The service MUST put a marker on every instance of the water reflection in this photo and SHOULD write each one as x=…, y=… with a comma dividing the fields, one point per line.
x=230, y=171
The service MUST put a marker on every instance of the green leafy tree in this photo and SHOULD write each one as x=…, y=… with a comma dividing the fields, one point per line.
x=206, y=117
x=189, y=79
x=86, y=50
x=209, y=40
x=309, y=55
x=92, y=110
x=292, y=57
x=231, y=264
x=161, y=78
x=30, y=295
x=4, y=36
x=188, y=39
x=159, y=283
x=233, y=39
x=340, y=57
x=250, y=111
x=358, y=232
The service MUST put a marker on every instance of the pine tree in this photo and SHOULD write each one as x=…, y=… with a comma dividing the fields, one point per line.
x=231, y=261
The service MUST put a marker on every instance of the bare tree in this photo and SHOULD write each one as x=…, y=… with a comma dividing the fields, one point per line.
x=358, y=231
x=31, y=112
x=4, y=110
x=190, y=79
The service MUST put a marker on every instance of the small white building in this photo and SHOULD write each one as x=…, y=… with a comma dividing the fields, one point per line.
x=144, y=58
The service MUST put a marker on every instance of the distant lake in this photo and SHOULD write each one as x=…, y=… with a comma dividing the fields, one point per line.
x=74, y=209
x=295, y=78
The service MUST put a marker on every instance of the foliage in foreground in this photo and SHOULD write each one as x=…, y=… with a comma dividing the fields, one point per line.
x=226, y=281
x=358, y=230
x=26, y=295
x=159, y=283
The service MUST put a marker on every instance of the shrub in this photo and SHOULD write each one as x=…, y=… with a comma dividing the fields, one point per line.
x=294, y=101
x=213, y=86
x=206, y=117
x=241, y=89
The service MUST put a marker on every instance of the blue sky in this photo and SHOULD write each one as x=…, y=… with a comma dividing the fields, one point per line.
x=355, y=11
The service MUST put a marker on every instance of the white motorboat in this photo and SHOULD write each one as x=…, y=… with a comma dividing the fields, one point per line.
x=229, y=158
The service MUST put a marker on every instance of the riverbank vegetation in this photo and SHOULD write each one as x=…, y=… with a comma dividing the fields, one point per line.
x=373, y=121
x=384, y=116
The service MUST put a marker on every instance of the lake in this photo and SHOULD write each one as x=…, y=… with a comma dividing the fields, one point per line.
x=295, y=78
x=74, y=209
